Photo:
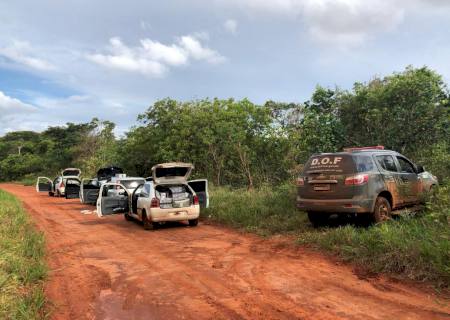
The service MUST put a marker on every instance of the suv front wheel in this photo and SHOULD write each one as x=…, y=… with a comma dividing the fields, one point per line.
x=382, y=210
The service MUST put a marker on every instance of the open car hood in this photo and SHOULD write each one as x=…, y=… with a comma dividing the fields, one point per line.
x=108, y=172
x=71, y=172
x=172, y=172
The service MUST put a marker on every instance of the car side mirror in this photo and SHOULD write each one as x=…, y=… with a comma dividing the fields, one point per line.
x=420, y=169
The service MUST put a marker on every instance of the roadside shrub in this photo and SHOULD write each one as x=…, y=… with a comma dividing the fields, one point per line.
x=266, y=210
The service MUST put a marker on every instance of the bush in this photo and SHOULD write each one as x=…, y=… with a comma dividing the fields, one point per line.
x=267, y=210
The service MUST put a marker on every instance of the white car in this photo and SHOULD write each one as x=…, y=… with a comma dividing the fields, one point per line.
x=90, y=188
x=168, y=197
x=67, y=184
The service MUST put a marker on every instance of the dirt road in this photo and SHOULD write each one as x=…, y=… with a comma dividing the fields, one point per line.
x=108, y=268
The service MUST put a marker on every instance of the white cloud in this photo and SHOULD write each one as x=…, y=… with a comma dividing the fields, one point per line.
x=342, y=22
x=9, y=106
x=231, y=26
x=153, y=58
x=194, y=49
x=23, y=53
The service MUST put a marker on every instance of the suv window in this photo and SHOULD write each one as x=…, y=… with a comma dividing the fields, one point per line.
x=387, y=163
x=363, y=163
x=405, y=165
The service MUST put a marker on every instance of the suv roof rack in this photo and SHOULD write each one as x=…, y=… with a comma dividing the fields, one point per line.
x=363, y=148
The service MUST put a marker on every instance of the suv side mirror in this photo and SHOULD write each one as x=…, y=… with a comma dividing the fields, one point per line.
x=420, y=169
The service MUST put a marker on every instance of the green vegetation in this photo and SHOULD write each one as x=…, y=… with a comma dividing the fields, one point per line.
x=266, y=211
x=250, y=153
x=22, y=264
x=414, y=247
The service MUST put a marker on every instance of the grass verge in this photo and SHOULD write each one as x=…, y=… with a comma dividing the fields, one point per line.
x=22, y=264
x=265, y=211
x=414, y=247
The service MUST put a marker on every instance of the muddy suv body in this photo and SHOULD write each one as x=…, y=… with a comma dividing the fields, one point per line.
x=360, y=181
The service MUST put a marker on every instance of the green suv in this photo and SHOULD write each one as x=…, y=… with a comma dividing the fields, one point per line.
x=367, y=181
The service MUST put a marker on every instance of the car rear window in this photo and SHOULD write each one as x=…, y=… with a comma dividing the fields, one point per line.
x=171, y=172
x=132, y=184
x=332, y=163
x=71, y=172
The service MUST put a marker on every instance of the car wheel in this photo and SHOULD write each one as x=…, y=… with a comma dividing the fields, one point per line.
x=51, y=194
x=317, y=219
x=382, y=210
x=128, y=217
x=193, y=222
x=148, y=225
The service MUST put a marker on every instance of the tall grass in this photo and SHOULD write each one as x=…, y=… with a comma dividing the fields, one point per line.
x=415, y=247
x=266, y=211
x=22, y=265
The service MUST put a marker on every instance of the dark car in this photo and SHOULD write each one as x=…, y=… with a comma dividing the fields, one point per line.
x=367, y=181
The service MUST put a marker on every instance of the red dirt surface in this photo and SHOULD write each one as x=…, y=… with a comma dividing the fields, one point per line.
x=109, y=268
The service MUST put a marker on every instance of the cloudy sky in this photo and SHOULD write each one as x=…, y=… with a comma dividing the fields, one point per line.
x=70, y=61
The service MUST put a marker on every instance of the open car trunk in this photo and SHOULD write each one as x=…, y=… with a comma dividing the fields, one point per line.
x=89, y=190
x=72, y=172
x=72, y=189
x=108, y=172
x=172, y=173
x=173, y=196
x=113, y=199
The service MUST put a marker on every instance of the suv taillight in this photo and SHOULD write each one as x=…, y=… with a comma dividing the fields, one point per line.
x=195, y=200
x=62, y=185
x=300, y=181
x=359, y=179
x=154, y=203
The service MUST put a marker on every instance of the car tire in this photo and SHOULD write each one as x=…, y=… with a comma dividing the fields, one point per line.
x=193, y=222
x=382, y=210
x=51, y=194
x=128, y=217
x=147, y=223
x=317, y=219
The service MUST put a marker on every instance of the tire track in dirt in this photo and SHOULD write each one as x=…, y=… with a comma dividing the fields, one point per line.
x=108, y=268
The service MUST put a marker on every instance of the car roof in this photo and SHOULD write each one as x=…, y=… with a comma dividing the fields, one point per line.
x=356, y=152
x=130, y=178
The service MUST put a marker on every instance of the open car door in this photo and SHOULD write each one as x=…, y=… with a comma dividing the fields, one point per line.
x=89, y=191
x=72, y=190
x=72, y=172
x=200, y=187
x=44, y=184
x=113, y=199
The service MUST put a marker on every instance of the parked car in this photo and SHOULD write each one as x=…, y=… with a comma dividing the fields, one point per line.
x=363, y=181
x=169, y=196
x=67, y=184
x=90, y=187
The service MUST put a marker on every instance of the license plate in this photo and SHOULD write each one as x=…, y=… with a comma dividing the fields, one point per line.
x=322, y=187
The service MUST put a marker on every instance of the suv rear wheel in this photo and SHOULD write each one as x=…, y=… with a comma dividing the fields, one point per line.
x=317, y=218
x=382, y=210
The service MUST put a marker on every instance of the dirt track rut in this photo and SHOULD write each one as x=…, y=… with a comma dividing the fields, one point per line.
x=108, y=268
